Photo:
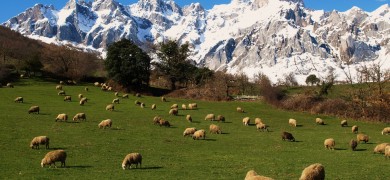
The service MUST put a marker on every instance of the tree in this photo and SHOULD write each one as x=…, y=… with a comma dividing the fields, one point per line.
x=127, y=64
x=312, y=79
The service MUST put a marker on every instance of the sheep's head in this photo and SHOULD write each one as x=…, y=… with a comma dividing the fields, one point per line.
x=43, y=162
x=124, y=166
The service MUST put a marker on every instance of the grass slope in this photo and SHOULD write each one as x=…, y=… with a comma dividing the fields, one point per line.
x=95, y=153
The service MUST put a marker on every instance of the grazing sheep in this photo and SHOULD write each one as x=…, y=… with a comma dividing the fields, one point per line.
x=68, y=98
x=105, y=123
x=86, y=89
x=174, y=106
x=210, y=117
x=116, y=94
x=137, y=95
x=214, y=129
x=52, y=157
x=199, y=134
x=173, y=112
x=246, y=121
x=97, y=84
x=183, y=106
x=189, y=131
x=344, y=123
x=136, y=102
x=58, y=87
x=132, y=158
x=252, y=175
x=44, y=140
x=292, y=122
x=320, y=121
x=153, y=106
x=353, y=144
x=109, y=89
x=20, y=100
x=81, y=96
x=386, y=131
x=258, y=121
x=329, y=143
x=62, y=82
x=110, y=107
x=125, y=96
x=62, y=117
x=192, y=106
x=240, y=110
x=80, y=116
x=83, y=101
x=387, y=152
x=164, y=123
x=313, y=172
x=61, y=93
x=220, y=118
x=163, y=99
x=189, y=118
x=380, y=148
x=355, y=129
x=156, y=120
x=10, y=85
x=34, y=109
x=362, y=137
x=115, y=101
x=288, y=136
x=142, y=105
x=262, y=127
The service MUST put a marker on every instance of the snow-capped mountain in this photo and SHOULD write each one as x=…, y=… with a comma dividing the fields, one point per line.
x=275, y=37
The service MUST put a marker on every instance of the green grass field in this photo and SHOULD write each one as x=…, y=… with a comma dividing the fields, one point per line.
x=95, y=153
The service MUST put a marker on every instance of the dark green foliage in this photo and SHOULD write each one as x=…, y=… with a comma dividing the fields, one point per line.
x=128, y=65
x=312, y=79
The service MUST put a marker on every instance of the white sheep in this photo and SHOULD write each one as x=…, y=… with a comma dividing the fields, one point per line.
x=62, y=117
x=214, y=129
x=58, y=87
x=53, y=156
x=314, y=171
x=116, y=100
x=34, y=109
x=192, y=106
x=164, y=123
x=183, y=106
x=329, y=143
x=19, y=99
x=156, y=120
x=210, y=117
x=81, y=96
x=174, y=106
x=163, y=99
x=80, y=116
x=61, y=93
x=97, y=84
x=387, y=152
x=344, y=123
x=220, y=118
x=189, y=131
x=362, y=137
x=355, y=129
x=386, y=131
x=320, y=121
x=262, y=127
x=252, y=175
x=105, y=123
x=36, y=141
x=142, y=105
x=153, y=106
x=110, y=107
x=125, y=96
x=116, y=94
x=199, y=134
x=68, y=98
x=246, y=121
x=380, y=148
x=132, y=158
x=258, y=121
x=240, y=110
x=189, y=118
x=173, y=112
x=292, y=122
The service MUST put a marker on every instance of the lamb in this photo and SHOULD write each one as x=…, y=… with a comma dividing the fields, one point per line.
x=353, y=144
x=10, y=85
x=116, y=94
x=386, y=131
x=142, y=105
x=132, y=158
x=156, y=120
x=174, y=106
x=292, y=122
x=183, y=106
x=344, y=123
x=20, y=100
x=320, y=121
x=199, y=134
x=246, y=121
x=110, y=107
x=80, y=116
x=137, y=95
x=314, y=171
x=54, y=156
x=262, y=126
x=68, y=98
x=210, y=117
x=288, y=136
x=192, y=106
x=83, y=101
x=329, y=143
x=164, y=123
x=362, y=137
x=125, y=96
x=189, y=131
x=58, y=87
x=105, y=123
x=258, y=121
x=214, y=129
x=44, y=140
x=387, y=152
x=380, y=148
x=62, y=117
x=189, y=118
x=81, y=96
x=115, y=101
x=97, y=84
x=34, y=109
x=252, y=175
x=153, y=106
x=136, y=102
x=61, y=93
x=355, y=129
x=173, y=112
x=163, y=99
x=220, y=118
x=240, y=110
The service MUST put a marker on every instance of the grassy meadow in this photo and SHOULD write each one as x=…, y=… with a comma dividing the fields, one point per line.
x=95, y=153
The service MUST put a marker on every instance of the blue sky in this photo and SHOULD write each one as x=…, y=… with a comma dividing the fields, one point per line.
x=10, y=8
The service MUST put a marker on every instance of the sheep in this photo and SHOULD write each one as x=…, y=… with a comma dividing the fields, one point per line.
x=380, y=148
x=153, y=106
x=10, y=85
x=80, y=116
x=314, y=171
x=61, y=93
x=240, y=110
x=320, y=121
x=142, y=105
x=173, y=112
x=81, y=96
x=137, y=95
x=54, y=156
x=163, y=99
x=355, y=129
x=189, y=118
x=220, y=118
x=125, y=96
x=36, y=141
x=136, y=102
x=115, y=101
x=246, y=121
x=189, y=131
x=62, y=117
x=252, y=175
x=387, y=152
x=174, y=106
x=183, y=106
x=68, y=98
x=292, y=122
x=116, y=94
x=164, y=123
x=132, y=158
x=214, y=129
x=288, y=136
x=386, y=131
x=105, y=123
x=34, y=109
x=109, y=88
x=210, y=117
x=86, y=89
x=329, y=143
x=258, y=121
x=110, y=107
x=362, y=137
x=62, y=82
x=58, y=87
x=199, y=134
x=192, y=106
x=353, y=144
x=344, y=123
x=156, y=120
x=97, y=84
x=262, y=126
x=83, y=101
x=19, y=99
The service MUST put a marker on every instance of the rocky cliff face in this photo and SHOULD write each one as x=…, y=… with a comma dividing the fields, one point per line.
x=246, y=36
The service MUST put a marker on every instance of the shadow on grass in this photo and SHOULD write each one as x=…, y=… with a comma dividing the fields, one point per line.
x=72, y=122
x=226, y=122
x=225, y=133
x=79, y=167
x=197, y=122
x=299, y=125
x=57, y=148
x=117, y=129
x=296, y=141
x=209, y=139
x=360, y=149
x=153, y=167
x=43, y=114
x=340, y=149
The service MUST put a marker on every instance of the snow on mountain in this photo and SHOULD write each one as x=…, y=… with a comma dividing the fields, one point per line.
x=274, y=37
